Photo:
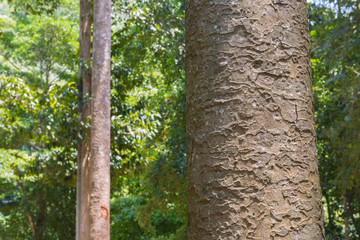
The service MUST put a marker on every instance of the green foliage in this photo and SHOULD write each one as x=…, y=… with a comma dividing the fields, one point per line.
x=35, y=6
x=41, y=174
x=38, y=125
x=42, y=49
x=31, y=186
x=15, y=106
x=125, y=221
x=335, y=43
x=149, y=105
x=39, y=122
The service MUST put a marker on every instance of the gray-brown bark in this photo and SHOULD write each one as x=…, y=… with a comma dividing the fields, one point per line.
x=100, y=123
x=252, y=165
x=83, y=180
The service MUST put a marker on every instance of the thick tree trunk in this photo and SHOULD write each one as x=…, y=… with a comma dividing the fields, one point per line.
x=83, y=177
x=100, y=123
x=252, y=165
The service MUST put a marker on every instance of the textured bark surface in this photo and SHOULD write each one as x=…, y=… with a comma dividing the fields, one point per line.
x=83, y=180
x=252, y=165
x=100, y=123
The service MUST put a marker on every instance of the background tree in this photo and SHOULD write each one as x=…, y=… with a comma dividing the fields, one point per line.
x=84, y=96
x=99, y=208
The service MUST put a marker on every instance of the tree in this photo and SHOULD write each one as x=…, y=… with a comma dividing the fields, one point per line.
x=99, y=211
x=83, y=177
x=252, y=164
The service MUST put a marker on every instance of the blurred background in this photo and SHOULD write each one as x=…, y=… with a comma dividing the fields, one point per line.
x=39, y=88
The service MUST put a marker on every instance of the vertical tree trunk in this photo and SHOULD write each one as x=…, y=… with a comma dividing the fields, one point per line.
x=83, y=177
x=355, y=221
x=100, y=123
x=346, y=220
x=329, y=211
x=39, y=227
x=252, y=165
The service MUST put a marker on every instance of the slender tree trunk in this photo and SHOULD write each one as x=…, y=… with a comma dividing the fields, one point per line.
x=100, y=123
x=346, y=220
x=356, y=222
x=252, y=165
x=83, y=177
x=339, y=4
x=27, y=207
x=329, y=211
x=358, y=201
x=40, y=217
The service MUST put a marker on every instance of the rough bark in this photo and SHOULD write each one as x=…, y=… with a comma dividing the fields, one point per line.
x=252, y=164
x=100, y=123
x=83, y=180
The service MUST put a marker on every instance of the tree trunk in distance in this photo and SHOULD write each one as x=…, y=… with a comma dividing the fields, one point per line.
x=346, y=220
x=355, y=221
x=83, y=171
x=40, y=217
x=329, y=211
x=252, y=164
x=100, y=123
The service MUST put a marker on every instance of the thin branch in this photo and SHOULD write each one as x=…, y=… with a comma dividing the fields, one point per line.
x=33, y=146
x=13, y=64
x=61, y=74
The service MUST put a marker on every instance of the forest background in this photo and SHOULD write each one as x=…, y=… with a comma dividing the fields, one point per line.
x=39, y=87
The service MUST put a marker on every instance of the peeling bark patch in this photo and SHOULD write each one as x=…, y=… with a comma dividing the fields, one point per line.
x=104, y=212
